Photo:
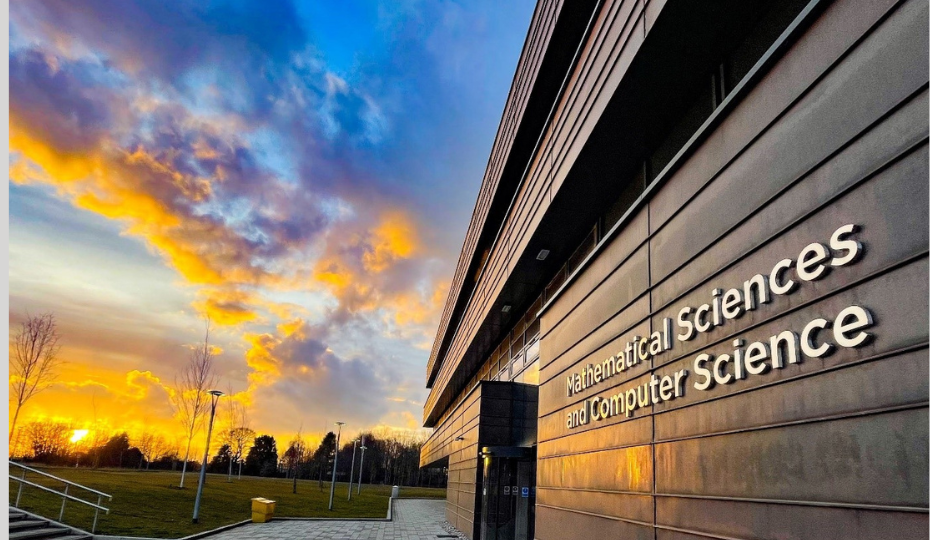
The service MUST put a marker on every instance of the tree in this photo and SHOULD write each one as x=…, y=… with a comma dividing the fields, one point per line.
x=263, y=456
x=167, y=461
x=151, y=446
x=221, y=460
x=392, y=456
x=133, y=455
x=323, y=453
x=190, y=398
x=237, y=435
x=33, y=360
x=112, y=453
x=239, y=440
x=294, y=456
x=49, y=441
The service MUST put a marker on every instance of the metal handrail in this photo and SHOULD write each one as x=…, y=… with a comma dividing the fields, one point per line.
x=70, y=483
x=60, y=494
x=65, y=496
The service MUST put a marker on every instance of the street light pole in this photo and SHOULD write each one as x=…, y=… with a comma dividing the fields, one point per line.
x=361, y=469
x=203, y=466
x=351, y=470
x=332, y=485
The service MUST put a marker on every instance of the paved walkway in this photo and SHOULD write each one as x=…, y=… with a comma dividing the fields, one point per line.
x=414, y=519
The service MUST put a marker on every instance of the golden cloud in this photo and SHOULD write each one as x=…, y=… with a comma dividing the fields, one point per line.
x=392, y=239
x=228, y=307
x=260, y=358
x=141, y=190
x=363, y=270
x=139, y=384
x=292, y=328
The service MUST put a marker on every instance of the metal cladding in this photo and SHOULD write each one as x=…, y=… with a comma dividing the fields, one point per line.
x=739, y=349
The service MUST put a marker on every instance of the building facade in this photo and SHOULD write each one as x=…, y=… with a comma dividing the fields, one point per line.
x=692, y=301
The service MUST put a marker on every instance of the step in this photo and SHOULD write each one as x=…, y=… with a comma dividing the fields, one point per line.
x=16, y=514
x=40, y=534
x=75, y=537
x=27, y=524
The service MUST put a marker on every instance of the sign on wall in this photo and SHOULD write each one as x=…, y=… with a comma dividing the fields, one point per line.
x=740, y=361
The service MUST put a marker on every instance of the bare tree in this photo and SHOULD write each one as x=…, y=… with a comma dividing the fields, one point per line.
x=240, y=440
x=191, y=399
x=49, y=440
x=33, y=360
x=152, y=447
x=295, y=454
x=238, y=435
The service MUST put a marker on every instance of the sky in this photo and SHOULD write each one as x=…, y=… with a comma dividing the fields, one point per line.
x=300, y=173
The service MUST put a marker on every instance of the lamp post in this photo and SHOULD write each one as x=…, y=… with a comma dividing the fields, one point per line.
x=203, y=466
x=332, y=485
x=361, y=469
x=351, y=470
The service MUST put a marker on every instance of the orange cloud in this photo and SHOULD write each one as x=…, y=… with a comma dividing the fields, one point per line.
x=260, y=358
x=292, y=328
x=161, y=198
x=228, y=307
x=364, y=270
x=268, y=366
x=141, y=190
x=417, y=309
x=139, y=383
x=392, y=239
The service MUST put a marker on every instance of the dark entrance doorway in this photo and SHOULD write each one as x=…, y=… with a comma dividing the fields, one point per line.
x=508, y=495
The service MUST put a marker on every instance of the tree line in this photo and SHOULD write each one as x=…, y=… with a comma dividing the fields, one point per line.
x=390, y=457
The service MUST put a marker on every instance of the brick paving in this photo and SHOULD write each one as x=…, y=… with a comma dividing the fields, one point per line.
x=414, y=519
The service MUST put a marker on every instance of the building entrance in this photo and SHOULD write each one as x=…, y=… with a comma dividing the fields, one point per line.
x=508, y=495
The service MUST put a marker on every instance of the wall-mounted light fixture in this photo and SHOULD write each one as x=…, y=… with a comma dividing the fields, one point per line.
x=542, y=255
x=506, y=308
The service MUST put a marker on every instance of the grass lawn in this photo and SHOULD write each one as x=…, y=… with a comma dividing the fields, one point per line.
x=146, y=503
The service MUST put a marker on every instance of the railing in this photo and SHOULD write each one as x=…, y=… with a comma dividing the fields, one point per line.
x=65, y=496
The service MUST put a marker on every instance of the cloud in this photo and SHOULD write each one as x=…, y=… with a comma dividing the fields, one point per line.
x=294, y=367
x=156, y=185
x=165, y=41
x=302, y=357
x=304, y=210
x=190, y=186
x=380, y=269
x=227, y=306
x=394, y=239
x=141, y=384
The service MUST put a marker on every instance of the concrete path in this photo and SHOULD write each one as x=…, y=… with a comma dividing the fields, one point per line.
x=414, y=519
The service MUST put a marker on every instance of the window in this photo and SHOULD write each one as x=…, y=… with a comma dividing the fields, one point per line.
x=518, y=349
x=704, y=98
x=583, y=250
x=530, y=375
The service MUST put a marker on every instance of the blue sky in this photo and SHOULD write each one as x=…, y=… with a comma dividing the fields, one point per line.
x=301, y=172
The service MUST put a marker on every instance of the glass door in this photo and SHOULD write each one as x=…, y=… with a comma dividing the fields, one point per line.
x=508, y=497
